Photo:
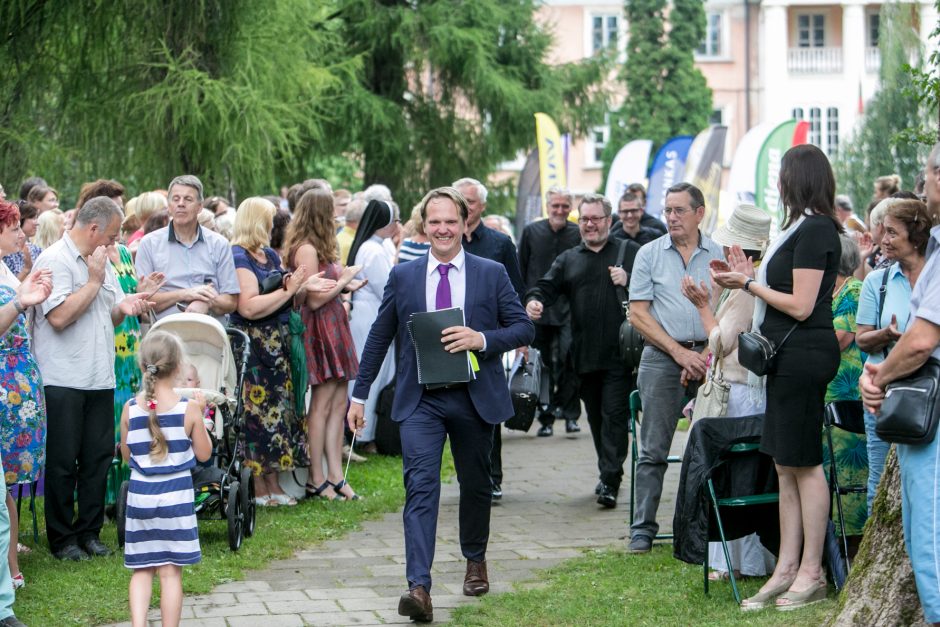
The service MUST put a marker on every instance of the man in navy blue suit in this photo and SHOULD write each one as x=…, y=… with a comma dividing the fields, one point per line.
x=466, y=412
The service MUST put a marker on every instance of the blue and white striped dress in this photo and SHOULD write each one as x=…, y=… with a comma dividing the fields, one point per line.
x=161, y=520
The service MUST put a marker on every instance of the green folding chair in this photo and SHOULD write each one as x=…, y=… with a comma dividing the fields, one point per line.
x=636, y=407
x=737, y=451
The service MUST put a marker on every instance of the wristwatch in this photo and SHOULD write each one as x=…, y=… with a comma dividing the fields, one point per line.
x=747, y=285
x=18, y=305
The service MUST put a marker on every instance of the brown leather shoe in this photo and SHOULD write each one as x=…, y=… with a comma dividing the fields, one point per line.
x=416, y=605
x=476, y=582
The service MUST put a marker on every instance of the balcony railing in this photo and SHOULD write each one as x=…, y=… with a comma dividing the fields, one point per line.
x=814, y=60
x=872, y=59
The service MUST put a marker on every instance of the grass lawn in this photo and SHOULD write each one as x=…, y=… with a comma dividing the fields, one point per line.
x=95, y=592
x=615, y=588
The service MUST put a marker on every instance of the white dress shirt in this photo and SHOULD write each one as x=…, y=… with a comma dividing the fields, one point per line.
x=457, y=276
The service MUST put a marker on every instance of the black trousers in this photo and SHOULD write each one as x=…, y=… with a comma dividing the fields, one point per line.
x=558, y=376
x=79, y=450
x=606, y=396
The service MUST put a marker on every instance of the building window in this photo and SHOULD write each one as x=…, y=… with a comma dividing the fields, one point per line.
x=597, y=140
x=711, y=45
x=811, y=30
x=832, y=131
x=604, y=32
x=874, y=23
x=717, y=117
x=823, y=131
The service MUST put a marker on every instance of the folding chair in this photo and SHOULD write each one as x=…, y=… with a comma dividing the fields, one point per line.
x=848, y=416
x=734, y=453
x=636, y=406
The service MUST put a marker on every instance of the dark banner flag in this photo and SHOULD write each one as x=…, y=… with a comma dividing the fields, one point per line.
x=528, y=196
x=703, y=169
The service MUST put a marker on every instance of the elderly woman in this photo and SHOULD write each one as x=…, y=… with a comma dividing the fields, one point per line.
x=749, y=228
x=21, y=261
x=793, y=291
x=22, y=405
x=885, y=303
x=849, y=448
x=274, y=433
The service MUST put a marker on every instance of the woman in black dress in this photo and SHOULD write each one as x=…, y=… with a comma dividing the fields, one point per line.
x=794, y=287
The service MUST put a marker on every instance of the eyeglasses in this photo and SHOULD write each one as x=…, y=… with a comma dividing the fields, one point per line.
x=679, y=211
x=592, y=219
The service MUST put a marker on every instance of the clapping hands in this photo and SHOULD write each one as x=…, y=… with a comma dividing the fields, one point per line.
x=36, y=288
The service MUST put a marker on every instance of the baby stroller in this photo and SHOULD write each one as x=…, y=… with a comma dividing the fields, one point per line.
x=224, y=489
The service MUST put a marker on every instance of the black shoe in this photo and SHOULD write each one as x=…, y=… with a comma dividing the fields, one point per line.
x=571, y=426
x=598, y=488
x=96, y=548
x=546, y=431
x=640, y=544
x=607, y=496
x=71, y=552
x=497, y=491
x=12, y=621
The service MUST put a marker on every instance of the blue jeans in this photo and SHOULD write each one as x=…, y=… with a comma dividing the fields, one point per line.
x=877, y=452
x=920, y=508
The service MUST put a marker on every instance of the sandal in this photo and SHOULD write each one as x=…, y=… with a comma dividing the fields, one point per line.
x=318, y=492
x=22, y=548
x=722, y=575
x=18, y=581
x=795, y=600
x=765, y=599
x=265, y=501
x=339, y=486
x=282, y=499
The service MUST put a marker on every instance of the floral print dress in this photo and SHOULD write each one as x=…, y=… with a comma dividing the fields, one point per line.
x=850, y=449
x=23, y=406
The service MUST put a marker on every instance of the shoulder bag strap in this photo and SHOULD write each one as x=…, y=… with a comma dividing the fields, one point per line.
x=882, y=294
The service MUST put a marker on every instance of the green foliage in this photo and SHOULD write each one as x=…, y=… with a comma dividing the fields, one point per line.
x=250, y=94
x=666, y=94
x=882, y=144
x=927, y=90
x=449, y=88
x=234, y=91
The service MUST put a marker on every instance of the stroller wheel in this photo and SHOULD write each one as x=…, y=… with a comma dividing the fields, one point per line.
x=235, y=513
x=120, y=513
x=248, y=501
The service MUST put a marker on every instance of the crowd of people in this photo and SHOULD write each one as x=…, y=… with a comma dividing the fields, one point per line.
x=323, y=276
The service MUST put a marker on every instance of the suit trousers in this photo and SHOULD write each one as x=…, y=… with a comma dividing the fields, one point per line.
x=79, y=450
x=554, y=345
x=606, y=395
x=441, y=414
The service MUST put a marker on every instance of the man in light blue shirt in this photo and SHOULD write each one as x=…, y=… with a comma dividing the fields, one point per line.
x=675, y=339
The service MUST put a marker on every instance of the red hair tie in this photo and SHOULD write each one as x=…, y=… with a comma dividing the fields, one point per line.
x=152, y=404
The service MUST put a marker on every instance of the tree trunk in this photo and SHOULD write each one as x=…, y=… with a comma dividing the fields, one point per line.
x=880, y=589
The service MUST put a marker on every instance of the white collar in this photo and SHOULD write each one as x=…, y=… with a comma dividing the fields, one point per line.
x=457, y=261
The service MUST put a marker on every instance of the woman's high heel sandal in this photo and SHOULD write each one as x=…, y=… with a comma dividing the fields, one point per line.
x=339, y=486
x=764, y=599
x=318, y=492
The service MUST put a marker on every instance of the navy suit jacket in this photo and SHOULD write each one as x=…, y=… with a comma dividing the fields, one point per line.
x=491, y=306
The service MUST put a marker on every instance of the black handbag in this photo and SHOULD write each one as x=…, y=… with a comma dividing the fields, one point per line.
x=910, y=412
x=524, y=389
x=757, y=352
x=631, y=341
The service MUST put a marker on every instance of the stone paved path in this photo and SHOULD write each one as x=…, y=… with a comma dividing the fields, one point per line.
x=548, y=515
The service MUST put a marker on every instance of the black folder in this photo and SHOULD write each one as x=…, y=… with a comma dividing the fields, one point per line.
x=437, y=366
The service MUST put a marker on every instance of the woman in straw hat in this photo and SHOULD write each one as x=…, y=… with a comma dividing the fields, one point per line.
x=749, y=228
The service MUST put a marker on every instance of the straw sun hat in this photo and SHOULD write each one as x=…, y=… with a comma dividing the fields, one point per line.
x=748, y=227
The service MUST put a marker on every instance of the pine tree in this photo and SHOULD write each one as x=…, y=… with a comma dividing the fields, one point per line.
x=666, y=94
x=881, y=144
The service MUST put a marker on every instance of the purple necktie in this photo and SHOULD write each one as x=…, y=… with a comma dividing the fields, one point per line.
x=442, y=300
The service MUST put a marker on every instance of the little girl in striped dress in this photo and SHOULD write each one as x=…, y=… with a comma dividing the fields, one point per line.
x=162, y=436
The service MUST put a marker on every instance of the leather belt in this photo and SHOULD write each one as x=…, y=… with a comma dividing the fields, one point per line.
x=445, y=386
x=693, y=344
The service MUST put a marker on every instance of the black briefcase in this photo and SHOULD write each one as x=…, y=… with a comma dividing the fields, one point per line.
x=524, y=388
x=387, y=431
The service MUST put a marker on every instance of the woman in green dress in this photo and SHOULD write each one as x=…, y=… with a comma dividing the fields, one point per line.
x=849, y=448
x=126, y=340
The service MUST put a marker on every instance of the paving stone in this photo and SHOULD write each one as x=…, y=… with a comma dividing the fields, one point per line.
x=304, y=606
x=233, y=609
x=281, y=620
